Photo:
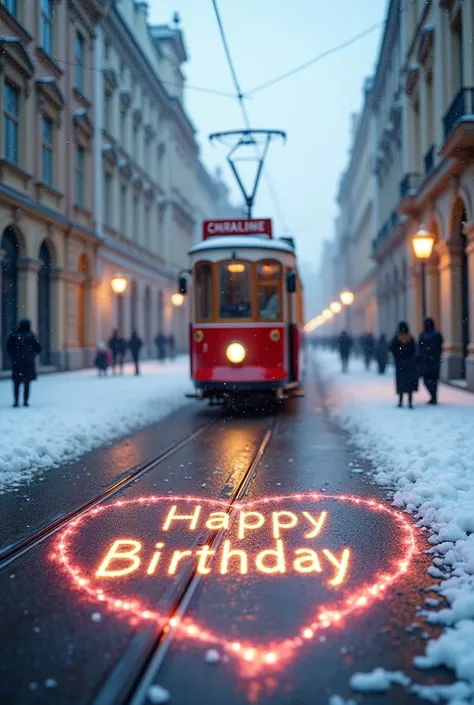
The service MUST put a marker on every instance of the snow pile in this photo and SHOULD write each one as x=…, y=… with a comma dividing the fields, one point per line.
x=71, y=413
x=425, y=456
x=379, y=681
x=157, y=694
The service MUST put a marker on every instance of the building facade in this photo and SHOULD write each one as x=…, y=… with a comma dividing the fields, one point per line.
x=418, y=121
x=48, y=241
x=111, y=181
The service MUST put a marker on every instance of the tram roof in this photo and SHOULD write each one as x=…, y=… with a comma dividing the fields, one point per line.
x=241, y=241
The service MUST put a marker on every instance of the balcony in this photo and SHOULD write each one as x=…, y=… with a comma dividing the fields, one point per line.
x=459, y=125
x=386, y=230
x=409, y=185
x=429, y=160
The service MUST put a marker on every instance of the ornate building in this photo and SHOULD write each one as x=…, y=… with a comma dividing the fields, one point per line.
x=100, y=174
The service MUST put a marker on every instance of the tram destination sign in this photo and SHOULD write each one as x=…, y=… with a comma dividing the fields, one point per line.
x=239, y=226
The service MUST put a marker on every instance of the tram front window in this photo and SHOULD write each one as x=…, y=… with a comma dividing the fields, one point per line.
x=269, y=290
x=235, y=290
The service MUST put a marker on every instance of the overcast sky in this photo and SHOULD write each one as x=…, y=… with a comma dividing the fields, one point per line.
x=267, y=38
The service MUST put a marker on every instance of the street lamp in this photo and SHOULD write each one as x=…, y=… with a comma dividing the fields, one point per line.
x=327, y=314
x=347, y=297
x=119, y=283
x=177, y=299
x=423, y=243
x=336, y=307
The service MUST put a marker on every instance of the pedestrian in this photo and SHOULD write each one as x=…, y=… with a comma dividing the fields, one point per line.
x=171, y=346
x=160, y=346
x=117, y=347
x=344, y=344
x=429, y=358
x=381, y=353
x=23, y=346
x=403, y=349
x=135, y=344
x=368, y=349
x=102, y=359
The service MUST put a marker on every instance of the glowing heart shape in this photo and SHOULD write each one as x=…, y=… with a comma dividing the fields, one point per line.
x=323, y=617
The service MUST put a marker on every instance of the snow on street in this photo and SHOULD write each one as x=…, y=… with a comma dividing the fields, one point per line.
x=74, y=412
x=425, y=456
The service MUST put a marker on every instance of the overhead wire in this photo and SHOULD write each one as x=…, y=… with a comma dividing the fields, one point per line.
x=241, y=100
x=327, y=52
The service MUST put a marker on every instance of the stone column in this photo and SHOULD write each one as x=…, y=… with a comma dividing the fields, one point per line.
x=450, y=325
x=28, y=290
x=58, y=288
x=415, y=302
x=469, y=232
x=432, y=291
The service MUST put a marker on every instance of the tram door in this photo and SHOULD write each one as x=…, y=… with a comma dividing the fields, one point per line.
x=292, y=334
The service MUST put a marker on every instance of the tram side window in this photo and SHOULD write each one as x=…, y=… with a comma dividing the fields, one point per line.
x=269, y=290
x=203, y=291
x=235, y=290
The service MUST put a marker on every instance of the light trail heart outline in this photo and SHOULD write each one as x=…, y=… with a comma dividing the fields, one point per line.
x=276, y=651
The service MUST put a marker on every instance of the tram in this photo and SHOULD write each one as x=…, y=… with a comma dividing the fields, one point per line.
x=246, y=312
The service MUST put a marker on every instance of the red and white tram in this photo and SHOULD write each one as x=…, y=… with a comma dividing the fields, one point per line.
x=246, y=312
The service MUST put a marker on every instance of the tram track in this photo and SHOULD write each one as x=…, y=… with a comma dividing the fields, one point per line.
x=132, y=676
x=15, y=551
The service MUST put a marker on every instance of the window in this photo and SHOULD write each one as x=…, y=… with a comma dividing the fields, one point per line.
x=11, y=6
x=122, y=72
x=147, y=153
x=135, y=216
x=107, y=198
x=123, y=209
x=107, y=110
x=147, y=226
x=135, y=144
x=47, y=25
x=47, y=150
x=11, y=118
x=123, y=128
x=79, y=61
x=269, y=289
x=203, y=278
x=235, y=292
x=106, y=50
x=80, y=167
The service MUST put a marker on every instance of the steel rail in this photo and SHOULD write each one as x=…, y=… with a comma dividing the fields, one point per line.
x=137, y=669
x=12, y=553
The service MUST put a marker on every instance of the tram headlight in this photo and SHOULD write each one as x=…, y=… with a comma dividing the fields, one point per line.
x=235, y=353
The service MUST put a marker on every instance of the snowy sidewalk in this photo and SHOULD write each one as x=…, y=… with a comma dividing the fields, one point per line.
x=74, y=412
x=425, y=456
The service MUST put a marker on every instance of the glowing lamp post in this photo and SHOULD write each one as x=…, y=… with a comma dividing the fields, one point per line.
x=347, y=297
x=423, y=243
x=327, y=314
x=177, y=299
x=336, y=307
x=119, y=285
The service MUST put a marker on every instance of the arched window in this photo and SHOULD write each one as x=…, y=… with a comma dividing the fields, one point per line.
x=9, y=263
x=235, y=291
x=147, y=319
x=44, y=303
x=203, y=288
x=269, y=290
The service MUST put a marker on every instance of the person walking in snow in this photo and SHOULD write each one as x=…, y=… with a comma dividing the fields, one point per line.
x=160, y=346
x=367, y=341
x=117, y=347
x=135, y=344
x=403, y=349
x=344, y=344
x=23, y=346
x=102, y=359
x=430, y=347
x=381, y=353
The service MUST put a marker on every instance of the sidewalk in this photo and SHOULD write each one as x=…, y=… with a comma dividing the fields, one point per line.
x=74, y=412
x=425, y=459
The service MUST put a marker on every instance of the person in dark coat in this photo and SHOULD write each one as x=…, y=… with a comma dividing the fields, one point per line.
x=367, y=342
x=430, y=348
x=160, y=346
x=23, y=347
x=344, y=344
x=381, y=353
x=102, y=359
x=403, y=349
x=117, y=347
x=171, y=346
x=135, y=344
